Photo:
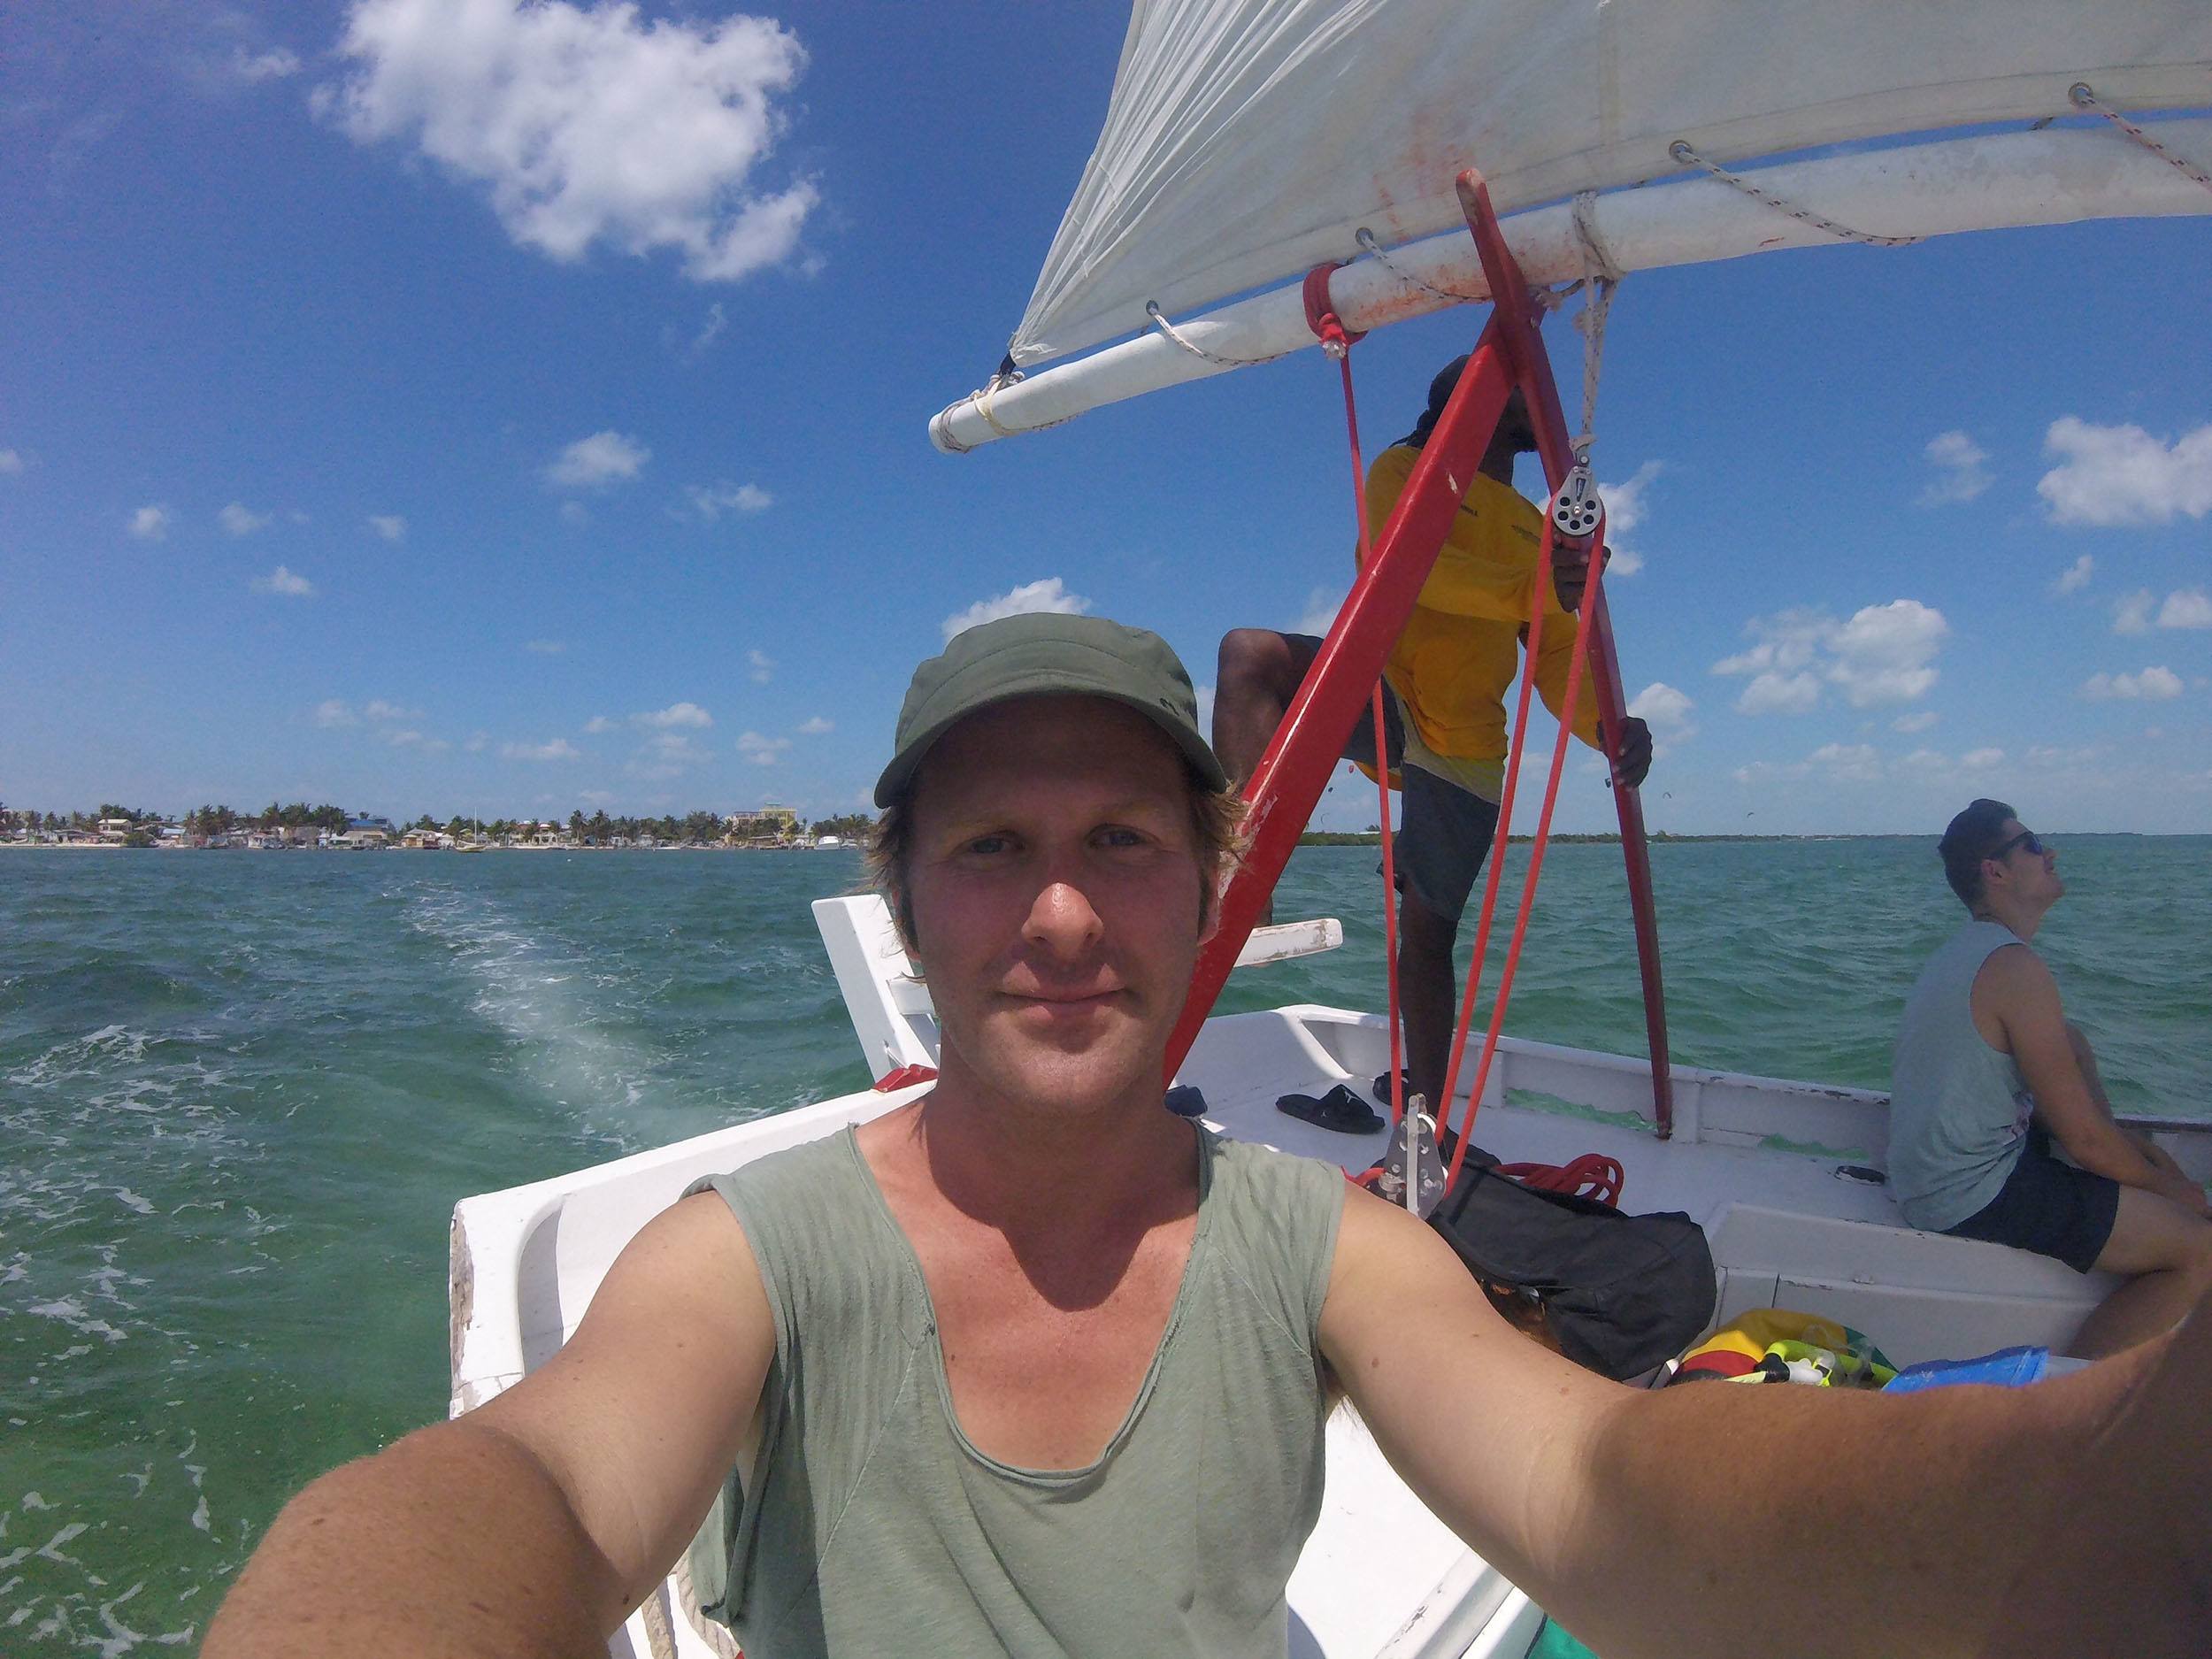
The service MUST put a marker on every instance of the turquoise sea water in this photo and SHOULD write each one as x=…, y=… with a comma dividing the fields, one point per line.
x=240, y=1094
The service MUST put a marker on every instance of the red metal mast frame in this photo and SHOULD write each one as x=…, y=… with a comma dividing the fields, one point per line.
x=1287, y=783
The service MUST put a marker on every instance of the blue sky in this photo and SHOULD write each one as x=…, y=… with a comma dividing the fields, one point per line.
x=352, y=449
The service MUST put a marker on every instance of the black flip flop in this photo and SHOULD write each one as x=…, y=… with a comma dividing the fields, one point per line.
x=1339, y=1110
x=1382, y=1085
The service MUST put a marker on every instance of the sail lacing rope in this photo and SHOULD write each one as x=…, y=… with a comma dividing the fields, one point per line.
x=1152, y=310
x=2082, y=98
x=1367, y=239
x=1682, y=152
x=979, y=400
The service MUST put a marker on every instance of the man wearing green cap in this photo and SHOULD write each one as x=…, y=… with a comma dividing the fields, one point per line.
x=1034, y=1366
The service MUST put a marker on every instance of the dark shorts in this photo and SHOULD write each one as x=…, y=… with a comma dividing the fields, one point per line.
x=1444, y=832
x=2049, y=1206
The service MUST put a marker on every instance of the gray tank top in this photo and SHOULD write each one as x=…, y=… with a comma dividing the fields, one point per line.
x=1958, y=1109
x=874, y=1525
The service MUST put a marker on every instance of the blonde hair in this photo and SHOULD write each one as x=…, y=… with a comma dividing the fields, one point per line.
x=1216, y=820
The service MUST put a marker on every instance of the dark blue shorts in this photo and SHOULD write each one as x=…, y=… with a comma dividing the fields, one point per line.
x=2049, y=1206
x=1444, y=832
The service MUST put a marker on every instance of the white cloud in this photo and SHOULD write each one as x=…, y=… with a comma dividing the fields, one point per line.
x=1625, y=510
x=289, y=583
x=11, y=463
x=1926, y=760
x=712, y=502
x=1777, y=693
x=762, y=751
x=763, y=666
x=240, y=519
x=1848, y=763
x=1322, y=604
x=478, y=742
x=390, y=525
x=2048, y=755
x=599, y=723
x=545, y=648
x=588, y=126
x=1919, y=721
x=710, y=330
x=1049, y=595
x=817, y=727
x=2187, y=608
x=557, y=749
x=2075, y=576
x=274, y=64
x=151, y=524
x=1981, y=759
x=333, y=712
x=411, y=739
x=379, y=710
x=2132, y=613
x=2123, y=475
x=605, y=458
x=2153, y=685
x=576, y=513
x=675, y=714
x=667, y=754
x=1884, y=654
x=1960, y=472
x=1667, y=711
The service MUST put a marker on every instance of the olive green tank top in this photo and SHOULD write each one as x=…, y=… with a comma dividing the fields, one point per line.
x=871, y=1524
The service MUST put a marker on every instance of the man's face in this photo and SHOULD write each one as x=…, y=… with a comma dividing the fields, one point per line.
x=1056, y=890
x=2032, y=876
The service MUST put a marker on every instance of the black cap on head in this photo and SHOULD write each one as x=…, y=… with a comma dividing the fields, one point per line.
x=1047, y=655
x=1514, y=426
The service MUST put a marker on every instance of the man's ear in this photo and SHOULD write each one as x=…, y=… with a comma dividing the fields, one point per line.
x=1210, y=889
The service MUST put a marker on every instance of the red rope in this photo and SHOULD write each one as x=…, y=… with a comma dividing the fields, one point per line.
x=1329, y=328
x=1500, y=842
x=1593, y=1175
x=1543, y=823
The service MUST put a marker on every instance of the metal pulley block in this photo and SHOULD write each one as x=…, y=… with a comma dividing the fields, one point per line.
x=1576, y=509
x=1413, y=1150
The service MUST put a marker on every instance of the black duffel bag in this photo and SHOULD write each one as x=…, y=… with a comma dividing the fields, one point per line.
x=1620, y=1293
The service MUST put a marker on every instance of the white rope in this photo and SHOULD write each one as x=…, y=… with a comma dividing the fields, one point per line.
x=1367, y=239
x=1152, y=310
x=1683, y=153
x=2084, y=99
x=1600, y=276
x=980, y=400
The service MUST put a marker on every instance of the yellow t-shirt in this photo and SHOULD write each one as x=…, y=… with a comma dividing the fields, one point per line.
x=1455, y=659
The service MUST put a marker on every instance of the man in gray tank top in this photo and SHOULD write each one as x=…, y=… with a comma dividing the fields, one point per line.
x=1989, y=1073
x=1033, y=1366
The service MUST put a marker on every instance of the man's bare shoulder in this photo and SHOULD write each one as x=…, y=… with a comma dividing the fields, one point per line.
x=2014, y=970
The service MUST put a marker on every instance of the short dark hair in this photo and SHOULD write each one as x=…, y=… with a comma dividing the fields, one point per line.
x=1973, y=835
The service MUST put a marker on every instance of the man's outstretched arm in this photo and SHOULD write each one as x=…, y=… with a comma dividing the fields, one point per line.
x=533, y=1525
x=1650, y=1522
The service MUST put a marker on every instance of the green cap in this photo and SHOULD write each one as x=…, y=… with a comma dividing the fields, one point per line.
x=1047, y=655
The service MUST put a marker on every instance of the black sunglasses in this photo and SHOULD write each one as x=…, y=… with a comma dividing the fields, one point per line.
x=2026, y=839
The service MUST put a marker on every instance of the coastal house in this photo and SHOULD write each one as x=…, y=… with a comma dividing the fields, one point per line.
x=769, y=825
x=367, y=830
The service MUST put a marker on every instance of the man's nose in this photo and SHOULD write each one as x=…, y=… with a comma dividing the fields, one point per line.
x=1062, y=919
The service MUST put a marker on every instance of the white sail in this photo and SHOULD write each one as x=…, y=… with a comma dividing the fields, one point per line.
x=1248, y=140
x=1985, y=182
